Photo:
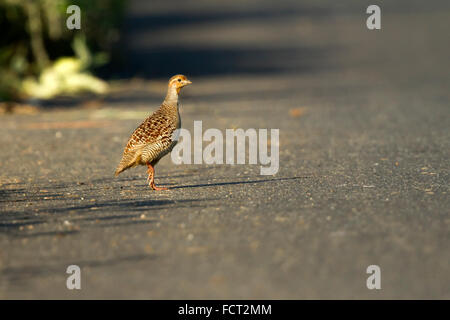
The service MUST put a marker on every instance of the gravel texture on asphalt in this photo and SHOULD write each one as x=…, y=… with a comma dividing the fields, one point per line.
x=364, y=163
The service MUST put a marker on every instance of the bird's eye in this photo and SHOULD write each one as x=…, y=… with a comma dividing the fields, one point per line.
x=179, y=80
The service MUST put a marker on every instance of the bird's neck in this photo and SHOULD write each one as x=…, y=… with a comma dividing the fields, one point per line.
x=172, y=96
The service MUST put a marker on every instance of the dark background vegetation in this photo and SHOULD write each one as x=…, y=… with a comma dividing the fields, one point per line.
x=34, y=34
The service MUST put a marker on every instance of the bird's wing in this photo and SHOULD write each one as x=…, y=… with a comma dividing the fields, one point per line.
x=152, y=136
x=152, y=130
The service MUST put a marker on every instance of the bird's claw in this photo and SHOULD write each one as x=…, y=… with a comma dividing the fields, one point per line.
x=152, y=185
x=159, y=188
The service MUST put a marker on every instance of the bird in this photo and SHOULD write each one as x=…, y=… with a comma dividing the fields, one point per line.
x=155, y=138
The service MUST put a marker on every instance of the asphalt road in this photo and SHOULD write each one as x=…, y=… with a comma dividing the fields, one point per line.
x=364, y=162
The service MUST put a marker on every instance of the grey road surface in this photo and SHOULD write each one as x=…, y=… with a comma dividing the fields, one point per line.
x=364, y=120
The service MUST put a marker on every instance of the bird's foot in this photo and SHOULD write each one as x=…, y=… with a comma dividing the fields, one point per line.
x=157, y=188
x=151, y=178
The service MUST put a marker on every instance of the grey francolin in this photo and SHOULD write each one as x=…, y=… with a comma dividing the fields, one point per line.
x=154, y=138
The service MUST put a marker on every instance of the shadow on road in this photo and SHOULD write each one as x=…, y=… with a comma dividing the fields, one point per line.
x=23, y=273
x=236, y=182
x=59, y=214
x=146, y=52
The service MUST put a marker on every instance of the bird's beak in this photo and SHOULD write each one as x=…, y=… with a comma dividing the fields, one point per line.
x=186, y=82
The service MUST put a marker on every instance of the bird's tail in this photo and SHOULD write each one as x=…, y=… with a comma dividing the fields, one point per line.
x=129, y=160
x=117, y=172
x=124, y=165
x=120, y=168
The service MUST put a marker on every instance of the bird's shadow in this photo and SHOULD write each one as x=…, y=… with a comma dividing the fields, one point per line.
x=237, y=182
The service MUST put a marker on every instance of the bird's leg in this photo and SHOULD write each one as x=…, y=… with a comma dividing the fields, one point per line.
x=151, y=175
x=151, y=178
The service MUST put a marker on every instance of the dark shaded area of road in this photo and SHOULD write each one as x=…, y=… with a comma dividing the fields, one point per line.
x=364, y=161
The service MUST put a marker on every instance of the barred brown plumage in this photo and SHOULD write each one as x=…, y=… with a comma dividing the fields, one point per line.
x=152, y=140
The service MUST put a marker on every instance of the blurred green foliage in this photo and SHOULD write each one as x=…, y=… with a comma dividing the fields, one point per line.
x=35, y=36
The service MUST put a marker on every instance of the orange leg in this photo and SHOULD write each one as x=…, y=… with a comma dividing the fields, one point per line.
x=151, y=178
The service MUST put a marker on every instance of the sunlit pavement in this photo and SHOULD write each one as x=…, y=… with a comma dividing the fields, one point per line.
x=363, y=179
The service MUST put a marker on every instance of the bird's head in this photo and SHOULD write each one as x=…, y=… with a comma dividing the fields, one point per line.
x=179, y=81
